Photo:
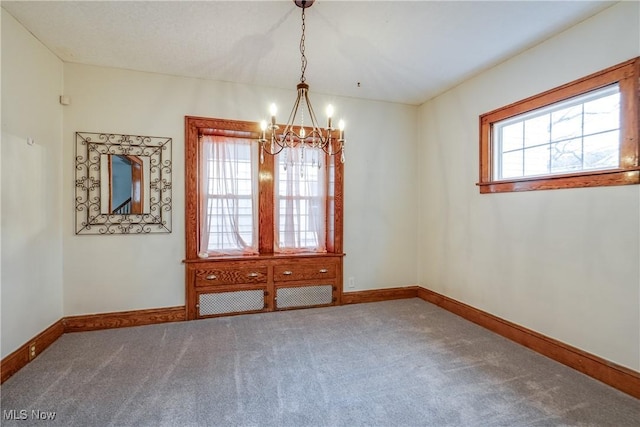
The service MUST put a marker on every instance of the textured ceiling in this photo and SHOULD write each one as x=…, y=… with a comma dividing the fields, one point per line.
x=399, y=51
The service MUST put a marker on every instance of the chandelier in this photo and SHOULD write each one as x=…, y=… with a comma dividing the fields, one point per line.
x=330, y=140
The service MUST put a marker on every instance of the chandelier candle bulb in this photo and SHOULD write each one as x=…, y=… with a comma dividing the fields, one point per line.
x=273, y=110
x=329, y=110
x=341, y=127
x=263, y=127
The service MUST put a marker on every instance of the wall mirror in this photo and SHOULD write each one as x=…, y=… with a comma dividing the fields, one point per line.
x=123, y=184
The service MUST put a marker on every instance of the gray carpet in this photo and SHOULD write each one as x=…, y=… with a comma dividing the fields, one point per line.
x=394, y=363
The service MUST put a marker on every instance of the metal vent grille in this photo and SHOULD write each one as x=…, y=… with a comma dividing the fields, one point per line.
x=231, y=302
x=302, y=296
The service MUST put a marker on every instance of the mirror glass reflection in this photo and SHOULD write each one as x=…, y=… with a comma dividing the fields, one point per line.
x=127, y=176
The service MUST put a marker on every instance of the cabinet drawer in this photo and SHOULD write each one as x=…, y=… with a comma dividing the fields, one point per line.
x=304, y=271
x=230, y=276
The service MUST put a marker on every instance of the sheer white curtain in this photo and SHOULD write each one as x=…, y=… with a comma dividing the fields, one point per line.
x=229, y=208
x=301, y=201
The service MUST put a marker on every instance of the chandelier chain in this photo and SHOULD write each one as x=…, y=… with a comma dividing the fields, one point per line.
x=303, y=59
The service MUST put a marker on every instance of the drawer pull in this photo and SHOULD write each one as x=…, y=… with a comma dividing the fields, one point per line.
x=212, y=277
x=252, y=275
x=287, y=273
x=324, y=270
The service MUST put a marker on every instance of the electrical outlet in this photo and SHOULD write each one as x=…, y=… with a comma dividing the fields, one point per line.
x=32, y=351
x=351, y=283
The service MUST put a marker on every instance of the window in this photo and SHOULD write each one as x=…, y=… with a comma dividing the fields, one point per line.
x=238, y=206
x=229, y=180
x=301, y=201
x=582, y=134
x=578, y=134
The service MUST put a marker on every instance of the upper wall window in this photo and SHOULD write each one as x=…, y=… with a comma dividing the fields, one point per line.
x=578, y=134
x=582, y=134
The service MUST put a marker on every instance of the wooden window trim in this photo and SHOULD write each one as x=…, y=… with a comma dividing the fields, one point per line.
x=195, y=126
x=627, y=75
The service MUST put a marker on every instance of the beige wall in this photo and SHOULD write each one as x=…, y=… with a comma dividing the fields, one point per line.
x=564, y=263
x=31, y=283
x=113, y=273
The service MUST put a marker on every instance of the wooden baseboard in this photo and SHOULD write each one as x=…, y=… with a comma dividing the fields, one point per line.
x=19, y=358
x=616, y=376
x=379, y=295
x=23, y=355
x=123, y=319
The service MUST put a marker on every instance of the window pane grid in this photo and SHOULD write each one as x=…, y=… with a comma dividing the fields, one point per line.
x=604, y=132
x=229, y=196
x=552, y=140
x=306, y=212
x=221, y=231
x=300, y=201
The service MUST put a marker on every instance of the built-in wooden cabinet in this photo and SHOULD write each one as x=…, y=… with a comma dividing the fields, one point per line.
x=226, y=285
x=223, y=286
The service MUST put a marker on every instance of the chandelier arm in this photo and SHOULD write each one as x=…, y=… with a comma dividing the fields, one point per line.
x=289, y=127
x=314, y=121
x=276, y=151
x=333, y=152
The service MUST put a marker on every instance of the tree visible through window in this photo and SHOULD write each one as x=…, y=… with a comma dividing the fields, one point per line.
x=582, y=134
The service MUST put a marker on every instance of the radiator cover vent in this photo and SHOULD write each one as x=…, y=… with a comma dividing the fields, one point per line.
x=231, y=302
x=304, y=296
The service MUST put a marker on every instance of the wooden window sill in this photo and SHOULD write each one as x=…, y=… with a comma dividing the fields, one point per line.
x=603, y=178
